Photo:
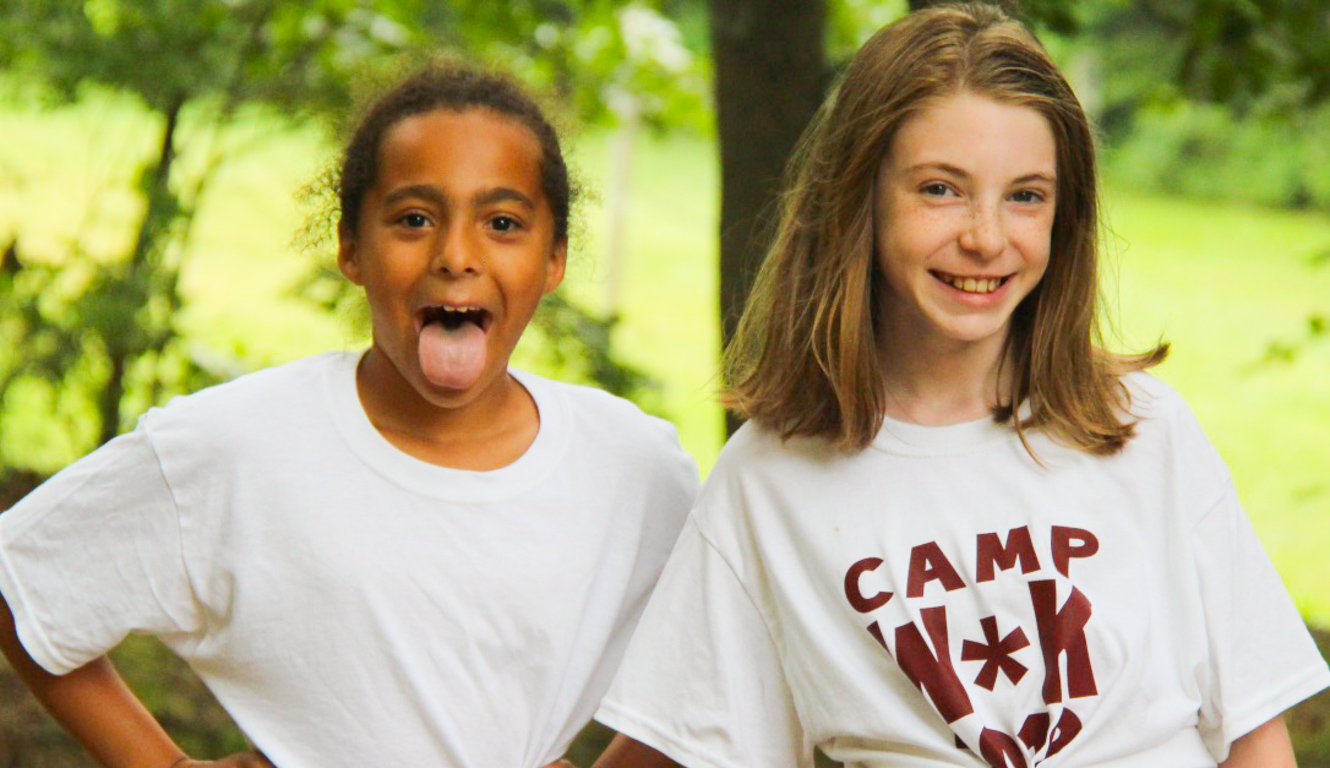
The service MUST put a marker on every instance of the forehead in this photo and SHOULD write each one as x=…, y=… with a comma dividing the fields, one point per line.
x=460, y=152
x=966, y=129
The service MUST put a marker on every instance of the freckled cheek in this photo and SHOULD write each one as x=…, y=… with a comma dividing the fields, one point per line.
x=1034, y=240
x=917, y=242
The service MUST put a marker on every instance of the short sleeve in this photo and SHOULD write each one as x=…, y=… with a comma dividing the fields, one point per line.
x=702, y=681
x=94, y=554
x=1262, y=658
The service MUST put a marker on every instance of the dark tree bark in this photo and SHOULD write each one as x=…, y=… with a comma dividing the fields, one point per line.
x=163, y=207
x=770, y=78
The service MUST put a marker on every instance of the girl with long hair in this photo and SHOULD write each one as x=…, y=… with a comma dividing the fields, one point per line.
x=957, y=530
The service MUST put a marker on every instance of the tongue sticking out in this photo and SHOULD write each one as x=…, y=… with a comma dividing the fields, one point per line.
x=454, y=358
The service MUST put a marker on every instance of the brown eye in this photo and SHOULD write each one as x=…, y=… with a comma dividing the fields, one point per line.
x=414, y=220
x=504, y=224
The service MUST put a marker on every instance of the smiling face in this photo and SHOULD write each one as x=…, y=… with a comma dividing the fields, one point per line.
x=962, y=219
x=454, y=247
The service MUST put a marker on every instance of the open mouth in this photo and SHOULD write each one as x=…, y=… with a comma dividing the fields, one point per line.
x=972, y=284
x=453, y=318
x=452, y=345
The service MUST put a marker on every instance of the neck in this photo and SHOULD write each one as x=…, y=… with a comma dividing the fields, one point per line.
x=939, y=382
x=489, y=430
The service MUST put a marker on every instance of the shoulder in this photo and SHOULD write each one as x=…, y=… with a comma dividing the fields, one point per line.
x=757, y=449
x=1169, y=436
x=1150, y=397
x=258, y=402
x=609, y=417
x=758, y=468
x=291, y=379
x=612, y=426
x=1156, y=407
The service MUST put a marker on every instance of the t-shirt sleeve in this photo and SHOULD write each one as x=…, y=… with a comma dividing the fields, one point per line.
x=1262, y=658
x=702, y=681
x=94, y=554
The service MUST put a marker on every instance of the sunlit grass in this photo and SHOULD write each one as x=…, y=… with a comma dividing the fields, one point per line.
x=667, y=298
x=1224, y=284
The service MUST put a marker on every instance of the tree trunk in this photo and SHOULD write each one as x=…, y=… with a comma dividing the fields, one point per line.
x=770, y=78
x=108, y=400
x=162, y=208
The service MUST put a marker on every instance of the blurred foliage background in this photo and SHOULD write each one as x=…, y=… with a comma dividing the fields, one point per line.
x=162, y=225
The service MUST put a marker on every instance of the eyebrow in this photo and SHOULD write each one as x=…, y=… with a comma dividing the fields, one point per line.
x=501, y=194
x=431, y=194
x=958, y=172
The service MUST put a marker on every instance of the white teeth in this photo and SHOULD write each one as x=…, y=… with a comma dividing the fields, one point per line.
x=972, y=284
x=452, y=316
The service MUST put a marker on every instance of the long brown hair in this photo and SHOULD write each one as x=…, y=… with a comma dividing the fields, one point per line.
x=804, y=360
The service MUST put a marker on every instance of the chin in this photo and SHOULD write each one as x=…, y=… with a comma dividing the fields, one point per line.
x=443, y=397
x=972, y=333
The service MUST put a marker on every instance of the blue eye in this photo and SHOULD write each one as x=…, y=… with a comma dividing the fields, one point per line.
x=936, y=189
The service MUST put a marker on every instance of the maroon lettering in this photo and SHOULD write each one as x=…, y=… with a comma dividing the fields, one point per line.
x=1063, y=632
x=861, y=602
x=876, y=632
x=932, y=673
x=991, y=552
x=1069, y=543
x=996, y=653
x=1068, y=726
x=927, y=563
x=1000, y=750
x=1034, y=732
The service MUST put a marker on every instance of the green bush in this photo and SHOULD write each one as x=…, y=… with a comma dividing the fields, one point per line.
x=1206, y=151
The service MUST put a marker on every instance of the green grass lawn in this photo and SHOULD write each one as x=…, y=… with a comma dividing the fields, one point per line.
x=1222, y=283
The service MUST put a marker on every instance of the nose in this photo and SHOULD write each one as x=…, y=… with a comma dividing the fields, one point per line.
x=985, y=234
x=456, y=252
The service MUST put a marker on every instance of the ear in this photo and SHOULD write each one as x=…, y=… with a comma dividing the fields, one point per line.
x=554, y=268
x=346, y=255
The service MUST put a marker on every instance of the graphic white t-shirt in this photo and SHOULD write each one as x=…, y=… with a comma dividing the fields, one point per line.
x=939, y=599
x=348, y=604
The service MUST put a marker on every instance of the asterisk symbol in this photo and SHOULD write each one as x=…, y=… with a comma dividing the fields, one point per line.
x=996, y=654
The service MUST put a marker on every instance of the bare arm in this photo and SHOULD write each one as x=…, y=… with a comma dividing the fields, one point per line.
x=95, y=706
x=624, y=752
x=1266, y=747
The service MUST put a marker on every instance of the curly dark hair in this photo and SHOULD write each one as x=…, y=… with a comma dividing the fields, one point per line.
x=456, y=87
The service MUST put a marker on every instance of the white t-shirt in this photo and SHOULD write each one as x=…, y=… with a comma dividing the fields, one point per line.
x=348, y=604
x=939, y=597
